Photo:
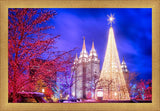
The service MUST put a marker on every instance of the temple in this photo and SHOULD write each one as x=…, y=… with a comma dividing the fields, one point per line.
x=86, y=71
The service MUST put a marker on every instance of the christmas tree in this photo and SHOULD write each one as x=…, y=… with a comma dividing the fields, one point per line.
x=111, y=79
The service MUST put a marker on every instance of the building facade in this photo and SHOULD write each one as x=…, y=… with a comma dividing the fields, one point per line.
x=86, y=70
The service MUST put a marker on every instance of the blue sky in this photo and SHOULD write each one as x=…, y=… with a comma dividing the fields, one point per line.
x=132, y=29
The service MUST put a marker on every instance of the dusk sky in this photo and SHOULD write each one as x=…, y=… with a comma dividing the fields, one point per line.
x=132, y=30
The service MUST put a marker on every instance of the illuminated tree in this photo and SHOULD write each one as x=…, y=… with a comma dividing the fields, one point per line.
x=111, y=70
x=131, y=82
x=144, y=90
x=148, y=90
x=39, y=85
x=29, y=39
x=65, y=80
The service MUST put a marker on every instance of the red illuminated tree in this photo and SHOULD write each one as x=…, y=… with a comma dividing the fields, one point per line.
x=144, y=89
x=29, y=38
x=148, y=90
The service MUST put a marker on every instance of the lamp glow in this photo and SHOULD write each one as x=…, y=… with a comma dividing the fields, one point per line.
x=100, y=93
x=43, y=90
x=115, y=94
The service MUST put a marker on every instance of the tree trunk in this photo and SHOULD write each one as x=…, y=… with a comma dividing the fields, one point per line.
x=14, y=91
x=70, y=94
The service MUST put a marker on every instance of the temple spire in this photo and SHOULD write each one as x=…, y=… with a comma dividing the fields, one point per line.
x=84, y=46
x=123, y=62
x=123, y=58
x=124, y=66
x=93, y=51
x=84, y=51
x=93, y=46
x=76, y=57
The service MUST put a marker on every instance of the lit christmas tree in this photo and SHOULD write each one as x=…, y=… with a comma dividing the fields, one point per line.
x=111, y=80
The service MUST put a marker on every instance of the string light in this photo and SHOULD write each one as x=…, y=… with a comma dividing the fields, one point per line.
x=112, y=71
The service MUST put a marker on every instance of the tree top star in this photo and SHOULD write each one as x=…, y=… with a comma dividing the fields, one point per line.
x=110, y=19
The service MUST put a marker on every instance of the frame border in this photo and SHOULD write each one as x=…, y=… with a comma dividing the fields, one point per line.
x=5, y=4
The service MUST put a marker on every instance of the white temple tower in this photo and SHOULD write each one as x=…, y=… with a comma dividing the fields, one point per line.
x=86, y=70
x=125, y=72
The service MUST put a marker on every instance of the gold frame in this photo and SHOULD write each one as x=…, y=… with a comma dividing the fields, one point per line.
x=5, y=4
